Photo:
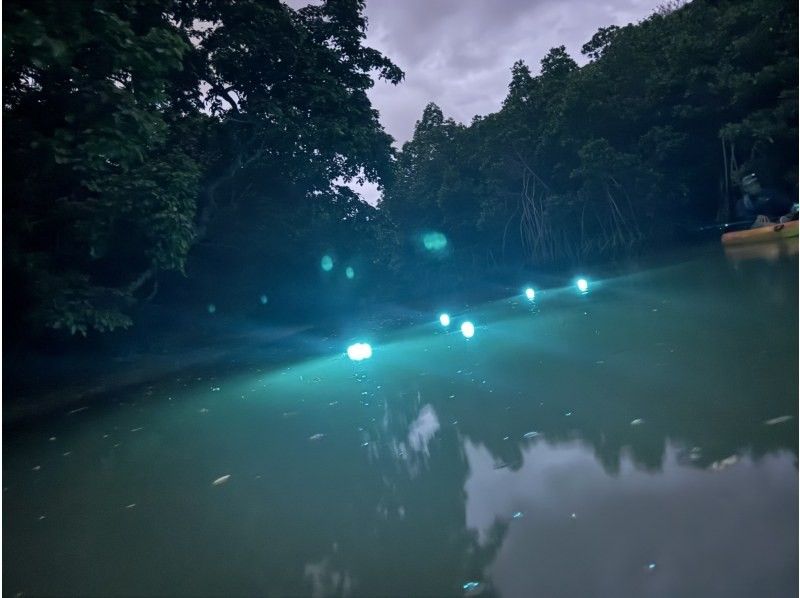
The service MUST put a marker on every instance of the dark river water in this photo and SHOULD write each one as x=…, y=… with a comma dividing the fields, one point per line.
x=636, y=440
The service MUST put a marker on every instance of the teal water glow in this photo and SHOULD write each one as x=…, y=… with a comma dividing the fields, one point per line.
x=468, y=329
x=402, y=475
x=582, y=284
x=326, y=263
x=359, y=351
x=444, y=320
x=530, y=294
x=434, y=241
x=349, y=272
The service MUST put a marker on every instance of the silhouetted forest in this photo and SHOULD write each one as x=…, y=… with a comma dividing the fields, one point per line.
x=193, y=154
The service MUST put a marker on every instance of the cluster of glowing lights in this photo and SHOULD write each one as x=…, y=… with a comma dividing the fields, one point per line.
x=468, y=329
x=582, y=284
x=444, y=320
x=530, y=294
x=359, y=351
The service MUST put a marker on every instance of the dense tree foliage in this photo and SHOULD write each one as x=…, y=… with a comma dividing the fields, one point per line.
x=651, y=135
x=211, y=139
x=134, y=130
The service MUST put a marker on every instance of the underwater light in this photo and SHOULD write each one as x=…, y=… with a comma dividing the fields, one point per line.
x=326, y=263
x=582, y=284
x=444, y=319
x=530, y=293
x=468, y=329
x=349, y=272
x=434, y=241
x=359, y=351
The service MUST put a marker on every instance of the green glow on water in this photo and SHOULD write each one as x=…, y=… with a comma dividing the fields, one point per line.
x=350, y=273
x=321, y=429
x=326, y=263
x=359, y=351
x=434, y=241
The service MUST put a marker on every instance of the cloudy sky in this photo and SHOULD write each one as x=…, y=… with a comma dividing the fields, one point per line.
x=458, y=53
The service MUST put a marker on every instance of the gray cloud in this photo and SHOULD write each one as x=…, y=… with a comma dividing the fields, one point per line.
x=458, y=53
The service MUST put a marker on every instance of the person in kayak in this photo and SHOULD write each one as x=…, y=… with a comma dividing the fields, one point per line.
x=766, y=206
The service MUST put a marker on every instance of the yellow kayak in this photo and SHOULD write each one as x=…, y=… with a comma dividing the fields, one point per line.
x=773, y=232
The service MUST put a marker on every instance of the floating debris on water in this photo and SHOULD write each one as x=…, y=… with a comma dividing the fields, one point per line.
x=78, y=410
x=529, y=435
x=316, y=437
x=52, y=439
x=573, y=516
x=568, y=413
x=506, y=437
x=518, y=515
x=637, y=422
x=222, y=480
x=37, y=467
x=42, y=517
x=130, y=506
x=67, y=454
x=724, y=463
x=651, y=566
x=215, y=389
x=694, y=454
x=203, y=410
x=778, y=420
x=136, y=429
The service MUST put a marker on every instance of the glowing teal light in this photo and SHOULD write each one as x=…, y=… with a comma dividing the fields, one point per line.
x=582, y=284
x=264, y=299
x=349, y=272
x=359, y=351
x=326, y=263
x=444, y=319
x=212, y=308
x=468, y=329
x=434, y=241
x=530, y=293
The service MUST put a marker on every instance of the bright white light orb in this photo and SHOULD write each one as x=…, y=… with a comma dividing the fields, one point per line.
x=583, y=285
x=359, y=351
x=444, y=319
x=468, y=329
x=530, y=293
